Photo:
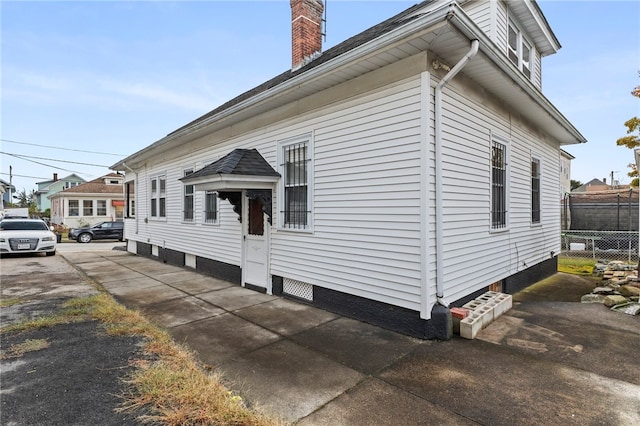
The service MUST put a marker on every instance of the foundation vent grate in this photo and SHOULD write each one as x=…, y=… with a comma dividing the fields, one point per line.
x=297, y=289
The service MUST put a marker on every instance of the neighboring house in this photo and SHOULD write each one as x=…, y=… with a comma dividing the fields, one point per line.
x=565, y=172
x=594, y=185
x=6, y=191
x=48, y=188
x=86, y=204
x=402, y=171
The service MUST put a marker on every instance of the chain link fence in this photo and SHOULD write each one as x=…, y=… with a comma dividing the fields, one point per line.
x=610, y=245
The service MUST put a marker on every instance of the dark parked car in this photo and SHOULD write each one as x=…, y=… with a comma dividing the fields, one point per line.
x=100, y=231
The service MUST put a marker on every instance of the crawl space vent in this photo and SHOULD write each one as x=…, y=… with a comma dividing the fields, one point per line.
x=297, y=289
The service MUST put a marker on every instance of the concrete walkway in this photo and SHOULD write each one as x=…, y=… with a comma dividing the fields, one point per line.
x=541, y=363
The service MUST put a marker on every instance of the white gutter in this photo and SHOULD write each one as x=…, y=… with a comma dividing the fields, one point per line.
x=438, y=135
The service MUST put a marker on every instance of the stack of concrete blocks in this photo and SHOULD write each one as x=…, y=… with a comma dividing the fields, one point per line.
x=482, y=311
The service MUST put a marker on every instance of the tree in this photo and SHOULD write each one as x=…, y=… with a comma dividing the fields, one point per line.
x=26, y=199
x=575, y=184
x=632, y=140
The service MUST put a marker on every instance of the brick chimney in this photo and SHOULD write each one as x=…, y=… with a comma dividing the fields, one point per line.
x=55, y=177
x=306, y=31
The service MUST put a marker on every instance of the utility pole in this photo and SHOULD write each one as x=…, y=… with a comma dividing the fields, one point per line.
x=10, y=183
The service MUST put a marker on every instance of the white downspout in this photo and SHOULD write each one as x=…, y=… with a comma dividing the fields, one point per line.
x=438, y=135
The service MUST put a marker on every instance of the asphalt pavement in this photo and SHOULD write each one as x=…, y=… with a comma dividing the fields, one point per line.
x=543, y=362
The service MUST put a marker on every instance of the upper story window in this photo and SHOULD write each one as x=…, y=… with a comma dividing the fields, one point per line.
x=519, y=49
x=188, y=200
x=68, y=185
x=295, y=160
x=159, y=196
x=499, y=179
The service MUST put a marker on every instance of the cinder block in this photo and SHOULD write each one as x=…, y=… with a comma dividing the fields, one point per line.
x=504, y=302
x=471, y=326
x=489, y=295
x=486, y=313
x=473, y=305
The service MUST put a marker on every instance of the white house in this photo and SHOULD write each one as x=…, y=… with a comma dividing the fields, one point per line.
x=396, y=174
x=98, y=200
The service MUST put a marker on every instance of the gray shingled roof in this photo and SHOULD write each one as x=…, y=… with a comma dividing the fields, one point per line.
x=246, y=162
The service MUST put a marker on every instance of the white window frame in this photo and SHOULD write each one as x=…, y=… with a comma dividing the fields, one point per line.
x=501, y=225
x=536, y=159
x=283, y=146
x=185, y=187
x=205, y=212
x=525, y=66
x=84, y=207
x=77, y=208
x=98, y=202
x=156, y=196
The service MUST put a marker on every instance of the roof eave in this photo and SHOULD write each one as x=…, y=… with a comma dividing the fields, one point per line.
x=434, y=15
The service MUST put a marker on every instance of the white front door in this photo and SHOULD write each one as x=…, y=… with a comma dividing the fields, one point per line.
x=255, y=260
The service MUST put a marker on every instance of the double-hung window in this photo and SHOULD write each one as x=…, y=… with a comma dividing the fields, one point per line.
x=499, y=177
x=159, y=196
x=519, y=49
x=188, y=200
x=295, y=157
x=87, y=208
x=210, y=207
x=101, y=207
x=535, y=190
x=74, y=208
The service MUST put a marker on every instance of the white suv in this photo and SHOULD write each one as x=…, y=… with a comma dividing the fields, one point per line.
x=26, y=236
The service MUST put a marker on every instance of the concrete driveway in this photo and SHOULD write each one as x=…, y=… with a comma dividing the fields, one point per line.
x=543, y=362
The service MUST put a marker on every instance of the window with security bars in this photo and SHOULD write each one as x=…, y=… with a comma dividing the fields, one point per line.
x=498, y=185
x=296, y=185
x=188, y=200
x=210, y=207
x=535, y=190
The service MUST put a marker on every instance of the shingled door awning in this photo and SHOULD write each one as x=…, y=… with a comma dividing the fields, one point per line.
x=238, y=170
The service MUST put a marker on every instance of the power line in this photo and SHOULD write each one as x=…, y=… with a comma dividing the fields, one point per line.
x=24, y=176
x=63, y=149
x=47, y=165
x=51, y=159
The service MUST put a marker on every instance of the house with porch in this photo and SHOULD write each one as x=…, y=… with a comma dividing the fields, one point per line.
x=99, y=200
x=388, y=178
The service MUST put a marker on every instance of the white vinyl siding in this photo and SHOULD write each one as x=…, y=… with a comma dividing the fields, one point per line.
x=470, y=123
x=366, y=204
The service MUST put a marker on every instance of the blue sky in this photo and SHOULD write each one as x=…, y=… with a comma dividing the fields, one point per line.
x=115, y=76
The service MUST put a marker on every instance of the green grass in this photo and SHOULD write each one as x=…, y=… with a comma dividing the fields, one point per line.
x=576, y=265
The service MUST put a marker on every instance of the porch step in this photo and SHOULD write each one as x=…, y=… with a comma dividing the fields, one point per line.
x=480, y=312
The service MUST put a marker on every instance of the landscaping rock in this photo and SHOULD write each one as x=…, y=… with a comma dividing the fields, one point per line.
x=629, y=291
x=602, y=290
x=592, y=298
x=615, y=299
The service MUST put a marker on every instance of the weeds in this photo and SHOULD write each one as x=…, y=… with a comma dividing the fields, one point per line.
x=576, y=265
x=19, y=349
x=5, y=303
